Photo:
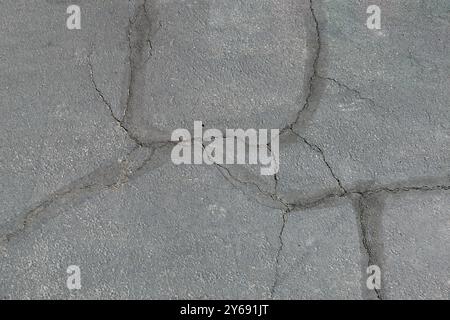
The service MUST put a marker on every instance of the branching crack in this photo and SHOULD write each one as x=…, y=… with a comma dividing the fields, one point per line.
x=120, y=173
x=135, y=61
x=319, y=150
x=233, y=179
x=362, y=217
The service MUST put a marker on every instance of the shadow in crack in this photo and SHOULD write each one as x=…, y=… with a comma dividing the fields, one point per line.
x=142, y=27
x=317, y=56
x=369, y=209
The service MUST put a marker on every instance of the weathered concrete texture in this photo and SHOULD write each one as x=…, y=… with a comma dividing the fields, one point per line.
x=211, y=242
x=304, y=175
x=86, y=176
x=233, y=64
x=320, y=257
x=415, y=238
x=54, y=127
x=382, y=113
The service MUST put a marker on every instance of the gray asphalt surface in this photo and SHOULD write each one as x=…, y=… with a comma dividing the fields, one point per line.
x=86, y=176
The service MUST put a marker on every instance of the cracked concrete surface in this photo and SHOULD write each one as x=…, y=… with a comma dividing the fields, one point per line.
x=86, y=175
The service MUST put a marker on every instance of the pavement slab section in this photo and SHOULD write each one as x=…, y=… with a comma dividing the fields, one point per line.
x=231, y=64
x=304, y=176
x=136, y=241
x=379, y=100
x=408, y=237
x=87, y=177
x=54, y=128
x=321, y=255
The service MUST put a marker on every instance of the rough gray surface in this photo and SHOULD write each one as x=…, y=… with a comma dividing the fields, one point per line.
x=54, y=129
x=380, y=110
x=412, y=243
x=224, y=67
x=87, y=179
x=212, y=242
x=321, y=252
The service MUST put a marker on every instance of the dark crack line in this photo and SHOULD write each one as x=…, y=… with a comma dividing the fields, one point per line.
x=313, y=203
x=313, y=76
x=76, y=188
x=107, y=104
x=272, y=196
x=424, y=188
x=354, y=91
x=319, y=150
x=133, y=64
x=276, y=178
x=148, y=40
x=100, y=93
x=131, y=73
x=33, y=213
x=277, y=277
x=365, y=242
x=316, y=202
x=233, y=181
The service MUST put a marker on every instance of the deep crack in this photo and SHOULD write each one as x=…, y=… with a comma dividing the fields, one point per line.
x=110, y=177
x=276, y=281
x=364, y=219
x=319, y=150
x=315, y=65
x=107, y=103
x=138, y=36
x=230, y=178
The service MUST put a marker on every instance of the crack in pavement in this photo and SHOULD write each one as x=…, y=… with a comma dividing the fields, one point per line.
x=133, y=55
x=370, y=207
x=313, y=76
x=139, y=34
x=108, y=104
x=233, y=179
x=366, y=224
x=94, y=182
x=319, y=150
x=423, y=188
x=276, y=281
x=131, y=61
x=354, y=91
x=316, y=202
x=112, y=176
x=119, y=174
